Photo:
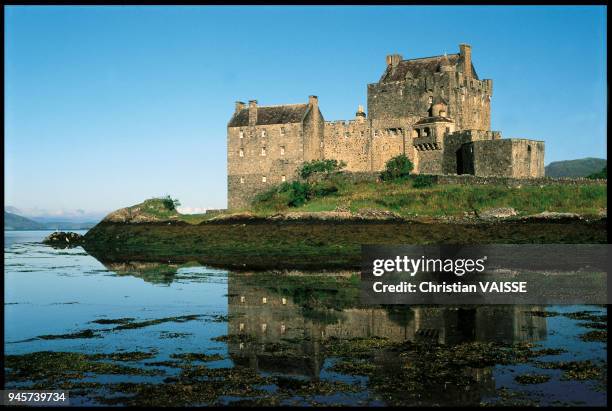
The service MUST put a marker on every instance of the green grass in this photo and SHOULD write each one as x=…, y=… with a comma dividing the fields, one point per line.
x=448, y=200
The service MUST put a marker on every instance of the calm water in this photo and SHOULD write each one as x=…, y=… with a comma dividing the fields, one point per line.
x=52, y=292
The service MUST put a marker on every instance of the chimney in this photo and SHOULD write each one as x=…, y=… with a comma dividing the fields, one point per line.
x=313, y=101
x=465, y=51
x=360, y=115
x=393, y=59
x=239, y=106
x=252, y=112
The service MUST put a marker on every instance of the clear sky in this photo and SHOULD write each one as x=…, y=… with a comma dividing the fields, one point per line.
x=107, y=106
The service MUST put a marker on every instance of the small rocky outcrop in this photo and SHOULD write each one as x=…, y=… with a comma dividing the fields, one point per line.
x=150, y=211
x=63, y=239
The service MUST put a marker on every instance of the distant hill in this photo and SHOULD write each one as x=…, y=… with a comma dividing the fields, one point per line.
x=575, y=168
x=13, y=221
x=17, y=222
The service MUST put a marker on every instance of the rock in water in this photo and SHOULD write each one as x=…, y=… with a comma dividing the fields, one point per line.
x=63, y=239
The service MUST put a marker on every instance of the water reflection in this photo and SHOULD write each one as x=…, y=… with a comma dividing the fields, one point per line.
x=272, y=319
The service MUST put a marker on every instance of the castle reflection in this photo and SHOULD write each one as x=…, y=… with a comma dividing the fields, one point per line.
x=289, y=338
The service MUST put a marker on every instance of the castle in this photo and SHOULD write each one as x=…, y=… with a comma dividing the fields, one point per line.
x=435, y=110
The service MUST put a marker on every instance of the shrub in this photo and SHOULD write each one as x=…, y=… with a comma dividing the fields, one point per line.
x=398, y=167
x=320, y=166
x=169, y=203
x=423, y=181
x=298, y=192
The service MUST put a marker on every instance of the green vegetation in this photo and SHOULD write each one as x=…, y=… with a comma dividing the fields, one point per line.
x=419, y=196
x=320, y=166
x=603, y=174
x=423, y=181
x=398, y=167
x=298, y=193
x=575, y=168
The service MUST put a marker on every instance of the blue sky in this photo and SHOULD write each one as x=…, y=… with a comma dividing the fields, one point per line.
x=107, y=106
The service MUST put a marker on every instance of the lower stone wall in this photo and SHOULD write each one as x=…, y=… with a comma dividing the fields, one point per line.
x=466, y=179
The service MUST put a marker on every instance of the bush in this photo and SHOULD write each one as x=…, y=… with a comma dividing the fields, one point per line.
x=399, y=167
x=423, y=181
x=169, y=203
x=320, y=166
x=298, y=193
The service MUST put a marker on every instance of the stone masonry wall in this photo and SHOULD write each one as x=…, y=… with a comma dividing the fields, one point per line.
x=349, y=141
x=283, y=147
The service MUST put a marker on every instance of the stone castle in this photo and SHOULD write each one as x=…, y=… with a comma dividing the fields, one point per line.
x=435, y=110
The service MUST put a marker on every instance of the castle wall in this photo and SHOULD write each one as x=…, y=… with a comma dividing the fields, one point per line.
x=284, y=152
x=430, y=162
x=453, y=150
x=387, y=143
x=468, y=99
x=527, y=158
x=518, y=158
x=314, y=128
x=349, y=141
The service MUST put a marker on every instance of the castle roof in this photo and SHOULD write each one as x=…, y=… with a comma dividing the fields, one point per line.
x=283, y=114
x=420, y=66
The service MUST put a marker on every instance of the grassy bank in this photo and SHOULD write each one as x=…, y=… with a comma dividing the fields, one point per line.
x=403, y=198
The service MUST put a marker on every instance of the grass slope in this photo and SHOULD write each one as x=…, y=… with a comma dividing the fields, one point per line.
x=447, y=200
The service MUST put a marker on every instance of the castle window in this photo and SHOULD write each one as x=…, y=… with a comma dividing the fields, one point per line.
x=241, y=134
x=241, y=180
x=283, y=179
x=426, y=131
x=282, y=151
x=282, y=131
x=430, y=99
x=263, y=133
x=263, y=151
x=346, y=134
x=447, y=130
x=241, y=153
x=375, y=133
x=264, y=179
x=361, y=133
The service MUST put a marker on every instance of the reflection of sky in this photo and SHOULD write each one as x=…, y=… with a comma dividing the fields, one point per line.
x=46, y=283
